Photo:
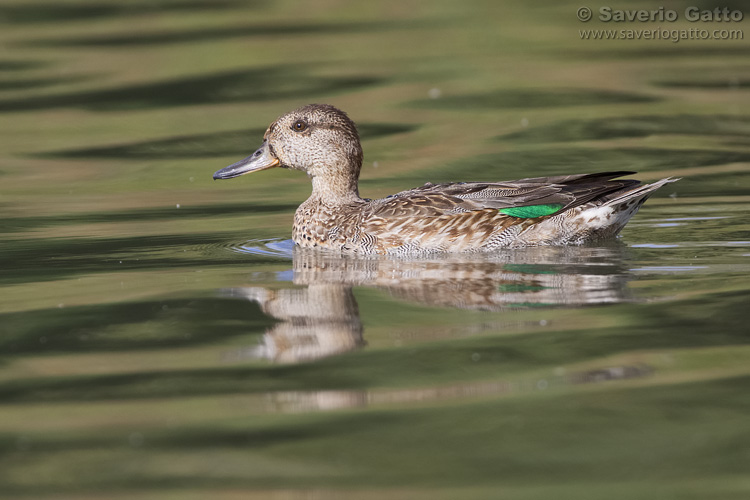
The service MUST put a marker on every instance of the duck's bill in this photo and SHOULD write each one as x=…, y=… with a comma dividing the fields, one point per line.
x=260, y=160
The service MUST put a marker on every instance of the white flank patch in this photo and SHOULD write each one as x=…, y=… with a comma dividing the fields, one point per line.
x=597, y=217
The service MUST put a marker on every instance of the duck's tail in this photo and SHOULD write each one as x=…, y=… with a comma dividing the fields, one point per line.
x=638, y=194
x=609, y=216
x=598, y=219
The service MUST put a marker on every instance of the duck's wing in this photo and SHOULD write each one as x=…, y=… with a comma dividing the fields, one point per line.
x=551, y=195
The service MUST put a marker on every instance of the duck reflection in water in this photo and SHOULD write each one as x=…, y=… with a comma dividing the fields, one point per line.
x=322, y=317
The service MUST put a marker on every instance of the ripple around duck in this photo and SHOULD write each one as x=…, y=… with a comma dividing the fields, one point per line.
x=267, y=248
x=667, y=269
x=693, y=244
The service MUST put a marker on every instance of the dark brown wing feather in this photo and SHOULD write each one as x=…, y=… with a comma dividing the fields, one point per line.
x=433, y=200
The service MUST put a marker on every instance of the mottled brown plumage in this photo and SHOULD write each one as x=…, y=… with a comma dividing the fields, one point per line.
x=322, y=141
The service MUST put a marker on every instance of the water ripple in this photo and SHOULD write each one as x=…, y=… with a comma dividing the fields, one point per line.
x=693, y=244
x=668, y=269
x=267, y=248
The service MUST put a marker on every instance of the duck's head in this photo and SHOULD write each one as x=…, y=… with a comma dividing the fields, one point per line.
x=318, y=139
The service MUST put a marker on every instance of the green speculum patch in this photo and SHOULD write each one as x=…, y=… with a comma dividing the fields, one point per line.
x=532, y=210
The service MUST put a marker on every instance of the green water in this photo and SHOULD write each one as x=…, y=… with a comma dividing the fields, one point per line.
x=161, y=338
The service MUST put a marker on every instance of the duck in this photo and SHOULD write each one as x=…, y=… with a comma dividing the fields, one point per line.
x=322, y=141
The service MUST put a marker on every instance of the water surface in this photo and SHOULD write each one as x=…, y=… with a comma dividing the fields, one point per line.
x=162, y=338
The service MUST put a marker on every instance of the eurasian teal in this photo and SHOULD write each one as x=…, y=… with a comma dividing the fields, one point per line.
x=322, y=141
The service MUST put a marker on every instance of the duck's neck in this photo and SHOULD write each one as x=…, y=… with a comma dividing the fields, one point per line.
x=335, y=189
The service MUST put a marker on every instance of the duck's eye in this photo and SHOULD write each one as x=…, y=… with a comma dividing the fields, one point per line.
x=299, y=125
